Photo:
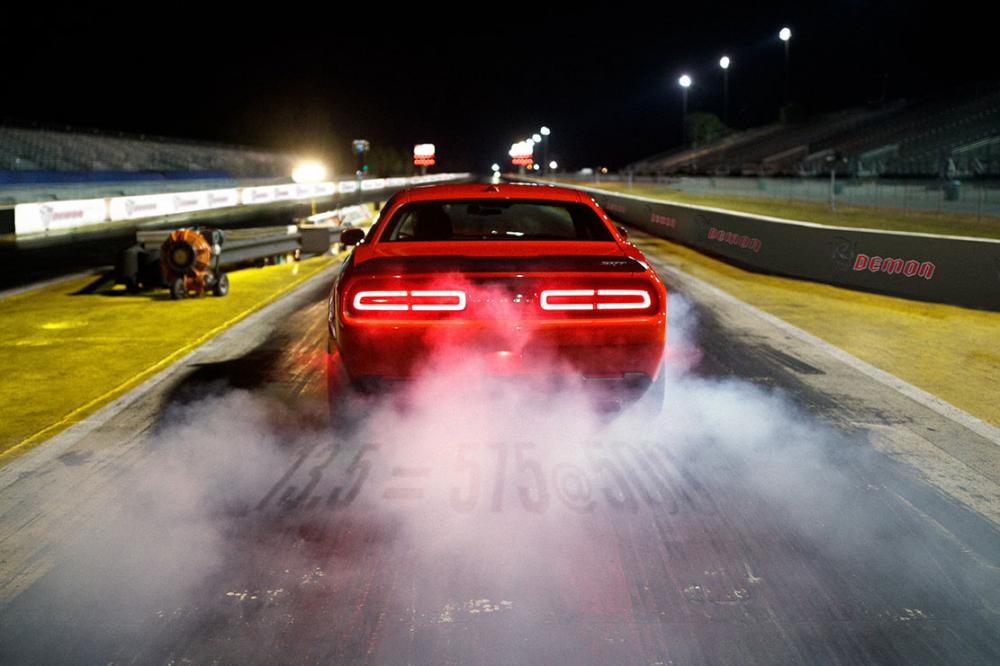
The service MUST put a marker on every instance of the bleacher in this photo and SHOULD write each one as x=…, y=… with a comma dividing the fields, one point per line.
x=32, y=155
x=694, y=160
x=951, y=137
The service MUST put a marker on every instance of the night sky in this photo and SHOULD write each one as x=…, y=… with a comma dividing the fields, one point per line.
x=472, y=77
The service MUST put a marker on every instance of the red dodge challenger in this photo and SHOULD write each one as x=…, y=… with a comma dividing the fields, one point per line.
x=530, y=281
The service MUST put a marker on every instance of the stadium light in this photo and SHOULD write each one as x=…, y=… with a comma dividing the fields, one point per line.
x=785, y=34
x=309, y=172
x=724, y=64
x=553, y=165
x=685, y=82
x=544, y=132
x=495, y=168
x=537, y=138
x=530, y=142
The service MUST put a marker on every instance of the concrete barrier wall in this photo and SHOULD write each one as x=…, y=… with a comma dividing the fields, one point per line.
x=944, y=269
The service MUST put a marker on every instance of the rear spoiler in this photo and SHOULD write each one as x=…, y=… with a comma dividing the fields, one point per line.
x=463, y=264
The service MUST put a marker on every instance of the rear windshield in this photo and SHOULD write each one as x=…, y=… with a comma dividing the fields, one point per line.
x=494, y=219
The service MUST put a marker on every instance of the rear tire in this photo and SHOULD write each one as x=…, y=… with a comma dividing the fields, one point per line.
x=657, y=393
x=650, y=404
x=346, y=405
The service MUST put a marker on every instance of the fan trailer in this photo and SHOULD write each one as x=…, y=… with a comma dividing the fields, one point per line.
x=189, y=260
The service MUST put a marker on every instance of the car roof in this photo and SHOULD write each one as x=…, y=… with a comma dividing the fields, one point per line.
x=491, y=191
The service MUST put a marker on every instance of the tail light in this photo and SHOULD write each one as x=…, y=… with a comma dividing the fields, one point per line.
x=437, y=300
x=380, y=301
x=595, y=299
x=426, y=300
x=506, y=298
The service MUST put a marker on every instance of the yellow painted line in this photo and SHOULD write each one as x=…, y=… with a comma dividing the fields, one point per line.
x=948, y=351
x=66, y=353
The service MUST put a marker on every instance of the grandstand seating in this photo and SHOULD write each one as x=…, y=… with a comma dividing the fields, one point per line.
x=946, y=137
x=41, y=150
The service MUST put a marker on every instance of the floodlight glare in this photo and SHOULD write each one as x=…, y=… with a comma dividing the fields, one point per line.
x=309, y=172
x=724, y=62
x=785, y=34
x=545, y=131
x=553, y=165
x=537, y=138
x=495, y=167
x=685, y=81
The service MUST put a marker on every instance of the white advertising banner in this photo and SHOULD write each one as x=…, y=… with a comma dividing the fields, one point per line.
x=222, y=198
x=42, y=217
x=285, y=192
x=257, y=195
x=32, y=218
x=185, y=202
x=325, y=189
x=145, y=205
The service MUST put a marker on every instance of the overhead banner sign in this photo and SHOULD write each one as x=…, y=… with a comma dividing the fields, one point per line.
x=423, y=154
x=521, y=153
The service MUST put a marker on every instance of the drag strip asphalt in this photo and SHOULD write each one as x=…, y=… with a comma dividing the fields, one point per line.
x=785, y=507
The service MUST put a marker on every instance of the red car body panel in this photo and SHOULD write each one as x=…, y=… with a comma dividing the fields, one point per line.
x=502, y=322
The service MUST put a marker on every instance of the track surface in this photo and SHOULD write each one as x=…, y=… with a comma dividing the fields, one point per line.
x=217, y=520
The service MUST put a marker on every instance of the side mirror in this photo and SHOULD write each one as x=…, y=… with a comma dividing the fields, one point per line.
x=352, y=236
x=623, y=232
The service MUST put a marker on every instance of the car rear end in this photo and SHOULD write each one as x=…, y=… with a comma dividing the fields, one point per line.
x=510, y=305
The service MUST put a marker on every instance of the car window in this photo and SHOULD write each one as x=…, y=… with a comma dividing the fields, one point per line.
x=495, y=219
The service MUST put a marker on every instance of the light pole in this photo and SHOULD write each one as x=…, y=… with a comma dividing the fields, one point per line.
x=685, y=83
x=724, y=64
x=785, y=35
x=833, y=160
x=545, y=132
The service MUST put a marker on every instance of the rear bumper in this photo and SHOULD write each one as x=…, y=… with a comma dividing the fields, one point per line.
x=624, y=349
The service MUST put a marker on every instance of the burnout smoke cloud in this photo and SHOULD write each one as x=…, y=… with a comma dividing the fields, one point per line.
x=468, y=501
